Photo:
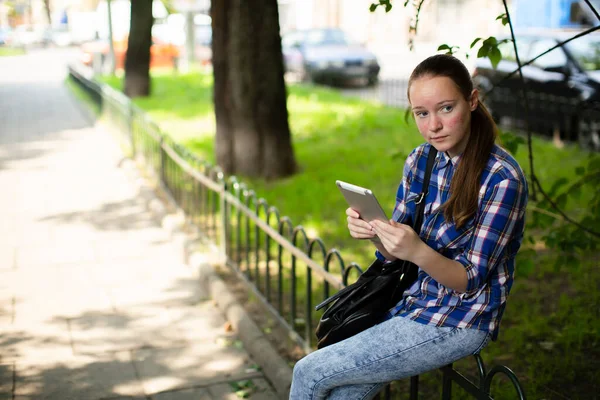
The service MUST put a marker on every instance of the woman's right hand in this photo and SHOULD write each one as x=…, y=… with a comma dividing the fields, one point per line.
x=359, y=229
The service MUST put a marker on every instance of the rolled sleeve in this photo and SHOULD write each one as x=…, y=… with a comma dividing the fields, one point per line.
x=502, y=208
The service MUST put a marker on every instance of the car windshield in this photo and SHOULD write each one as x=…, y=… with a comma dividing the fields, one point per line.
x=326, y=38
x=586, y=52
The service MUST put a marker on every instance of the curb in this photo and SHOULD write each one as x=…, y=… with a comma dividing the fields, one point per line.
x=274, y=367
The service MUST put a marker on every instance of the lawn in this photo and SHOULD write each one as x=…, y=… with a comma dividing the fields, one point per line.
x=550, y=329
x=11, y=51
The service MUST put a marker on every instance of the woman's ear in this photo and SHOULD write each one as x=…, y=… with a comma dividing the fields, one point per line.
x=474, y=99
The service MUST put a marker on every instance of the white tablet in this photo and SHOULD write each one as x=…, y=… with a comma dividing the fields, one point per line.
x=363, y=201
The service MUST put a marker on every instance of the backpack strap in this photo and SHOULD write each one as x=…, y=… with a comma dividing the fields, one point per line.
x=420, y=201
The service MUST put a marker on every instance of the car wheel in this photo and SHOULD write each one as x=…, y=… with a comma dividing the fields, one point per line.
x=589, y=135
x=372, y=80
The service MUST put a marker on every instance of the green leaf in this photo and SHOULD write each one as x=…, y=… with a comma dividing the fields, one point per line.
x=491, y=41
x=483, y=51
x=561, y=200
x=557, y=184
x=388, y=7
x=373, y=7
x=495, y=56
x=580, y=171
x=475, y=42
x=503, y=18
x=576, y=192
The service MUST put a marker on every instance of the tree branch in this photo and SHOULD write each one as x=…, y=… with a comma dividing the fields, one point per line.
x=592, y=8
x=525, y=98
x=555, y=206
x=546, y=212
x=593, y=29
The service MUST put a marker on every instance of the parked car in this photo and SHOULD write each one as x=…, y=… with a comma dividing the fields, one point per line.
x=327, y=55
x=162, y=52
x=563, y=86
x=5, y=36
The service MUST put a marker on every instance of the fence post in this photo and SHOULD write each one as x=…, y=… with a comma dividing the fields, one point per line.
x=446, y=384
x=162, y=161
x=224, y=221
x=414, y=387
x=130, y=127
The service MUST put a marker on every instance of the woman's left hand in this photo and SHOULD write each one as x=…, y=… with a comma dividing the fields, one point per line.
x=399, y=240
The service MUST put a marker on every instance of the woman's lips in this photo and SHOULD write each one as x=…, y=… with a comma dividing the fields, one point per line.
x=439, y=138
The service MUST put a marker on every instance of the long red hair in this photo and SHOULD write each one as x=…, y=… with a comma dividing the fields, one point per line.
x=464, y=187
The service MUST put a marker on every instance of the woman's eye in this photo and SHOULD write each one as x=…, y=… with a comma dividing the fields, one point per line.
x=421, y=114
x=447, y=108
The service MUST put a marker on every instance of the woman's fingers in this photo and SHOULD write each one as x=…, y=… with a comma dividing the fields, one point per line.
x=352, y=213
x=360, y=229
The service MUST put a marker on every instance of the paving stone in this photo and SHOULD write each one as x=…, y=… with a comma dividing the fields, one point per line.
x=185, y=394
x=6, y=380
x=194, y=365
x=199, y=321
x=57, y=253
x=6, y=309
x=35, y=343
x=99, y=332
x=7, y=257
x=80, y=378
x=256, y=389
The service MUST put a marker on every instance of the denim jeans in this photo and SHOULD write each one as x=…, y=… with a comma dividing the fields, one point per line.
x=358, y=367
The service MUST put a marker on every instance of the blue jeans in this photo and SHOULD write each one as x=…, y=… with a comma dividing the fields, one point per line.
x=358, y=367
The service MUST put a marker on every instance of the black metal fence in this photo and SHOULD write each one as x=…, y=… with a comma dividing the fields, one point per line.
x=558, y=116
x=287, y=270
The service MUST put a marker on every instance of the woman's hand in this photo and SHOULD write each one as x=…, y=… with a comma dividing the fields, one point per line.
x=400, y=241
x=359, y=229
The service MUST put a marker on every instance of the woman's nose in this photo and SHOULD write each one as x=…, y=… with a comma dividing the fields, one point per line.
x=435, y=123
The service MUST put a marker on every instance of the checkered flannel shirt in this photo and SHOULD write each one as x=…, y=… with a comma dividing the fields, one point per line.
x=486, y=245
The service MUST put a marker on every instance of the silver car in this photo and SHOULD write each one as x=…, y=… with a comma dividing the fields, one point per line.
x=328, y=56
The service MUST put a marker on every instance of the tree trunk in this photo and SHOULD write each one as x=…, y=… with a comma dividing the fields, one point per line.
x=253, y=135
x=48, y=11
x=137, y=58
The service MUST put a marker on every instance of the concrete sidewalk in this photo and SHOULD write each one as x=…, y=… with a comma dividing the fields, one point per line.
x=95, y=299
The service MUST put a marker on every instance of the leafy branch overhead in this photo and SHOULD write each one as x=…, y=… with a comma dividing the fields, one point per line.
x=489, y=47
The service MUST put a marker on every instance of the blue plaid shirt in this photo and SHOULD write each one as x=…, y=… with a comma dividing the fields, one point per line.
x=486, y=245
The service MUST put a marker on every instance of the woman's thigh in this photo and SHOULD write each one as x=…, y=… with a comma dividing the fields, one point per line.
x=395, y=349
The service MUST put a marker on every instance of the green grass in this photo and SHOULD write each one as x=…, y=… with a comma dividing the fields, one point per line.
x=11, y=51
x=549, y=334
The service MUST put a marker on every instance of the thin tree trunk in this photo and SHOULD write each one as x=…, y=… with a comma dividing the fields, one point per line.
x=137, y=58
x=253, y=135
x=48, y=11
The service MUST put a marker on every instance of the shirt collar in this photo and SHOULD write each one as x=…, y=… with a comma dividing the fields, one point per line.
x=444, y=159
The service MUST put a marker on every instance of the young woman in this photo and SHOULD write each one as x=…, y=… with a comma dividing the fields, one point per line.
x=472, y=230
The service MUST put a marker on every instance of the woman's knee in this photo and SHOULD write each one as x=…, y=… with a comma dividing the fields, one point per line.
x=300, y=369
x=301, y=379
